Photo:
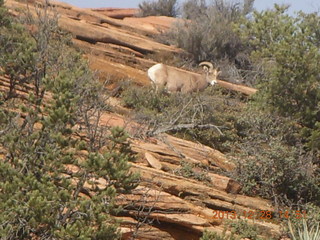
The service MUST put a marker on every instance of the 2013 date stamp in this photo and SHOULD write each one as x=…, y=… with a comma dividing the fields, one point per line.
x=258, y=214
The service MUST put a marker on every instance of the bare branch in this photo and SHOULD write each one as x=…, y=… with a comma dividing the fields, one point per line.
x=183, y=126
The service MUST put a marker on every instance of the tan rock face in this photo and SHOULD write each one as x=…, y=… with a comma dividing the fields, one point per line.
x=165, y=205
x=118, y=13
x=153, y=162
x=151, y=24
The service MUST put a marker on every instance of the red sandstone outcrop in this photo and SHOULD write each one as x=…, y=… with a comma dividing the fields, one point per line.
x=117, y=48
x=151, y=24
x=118, y=13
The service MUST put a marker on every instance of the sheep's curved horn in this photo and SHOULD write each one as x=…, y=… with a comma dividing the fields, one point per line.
x=207, y=64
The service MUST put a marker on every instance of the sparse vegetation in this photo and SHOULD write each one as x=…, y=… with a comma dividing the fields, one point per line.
x=209, y=36
x=238, y=229
x=187, y=170
x=206, y=117
x=272, y=161
x=207, y=235
x=244, y=229
x=158, y=8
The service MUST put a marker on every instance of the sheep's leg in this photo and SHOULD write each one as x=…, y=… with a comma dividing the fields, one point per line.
x=154, y=86
x=186, y=88
x=171, y=88
x=161, y=83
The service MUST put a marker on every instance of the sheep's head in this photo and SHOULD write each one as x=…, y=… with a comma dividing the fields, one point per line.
x=210, y=71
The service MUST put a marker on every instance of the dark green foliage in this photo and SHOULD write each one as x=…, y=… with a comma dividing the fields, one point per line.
x=40, y=197
x=313, y=136
x=114, y=162
x=278, y=172
x=16, y=52
x=36, y=198
x=290, y=57
x=158, y=8
x=146, y=98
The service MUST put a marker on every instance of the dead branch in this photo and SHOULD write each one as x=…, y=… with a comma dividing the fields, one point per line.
x=183, y=126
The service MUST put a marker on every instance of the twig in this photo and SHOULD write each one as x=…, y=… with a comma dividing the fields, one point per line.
x=184, y=126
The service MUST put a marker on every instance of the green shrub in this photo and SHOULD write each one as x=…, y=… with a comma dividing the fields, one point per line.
x=288, y=87
x=243, y=229
x=239, y=229
x=187, y=170
x=158, y=8
x=273, y=163
x=207, y=235
x=290, y=58
x=16, y=59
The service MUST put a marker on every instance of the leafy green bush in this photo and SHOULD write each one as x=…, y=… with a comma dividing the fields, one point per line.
x=290, y=58
x=158, y=8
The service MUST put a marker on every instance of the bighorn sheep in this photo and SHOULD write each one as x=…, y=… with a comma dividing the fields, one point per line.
x=175, y=80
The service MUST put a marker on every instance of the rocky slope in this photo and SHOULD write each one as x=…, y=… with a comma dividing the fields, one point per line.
x=166, y=205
